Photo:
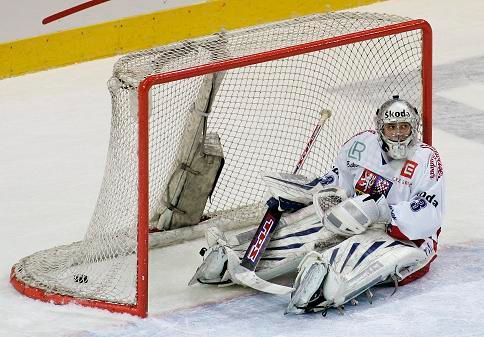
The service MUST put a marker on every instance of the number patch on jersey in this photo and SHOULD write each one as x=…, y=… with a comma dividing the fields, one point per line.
x=418, y=204
x=372, y=183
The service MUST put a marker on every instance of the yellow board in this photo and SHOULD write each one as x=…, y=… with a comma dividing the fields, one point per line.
x=146, y=31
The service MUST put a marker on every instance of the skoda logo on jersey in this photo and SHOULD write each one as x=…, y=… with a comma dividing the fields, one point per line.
x=429, y=198
x=397, y=114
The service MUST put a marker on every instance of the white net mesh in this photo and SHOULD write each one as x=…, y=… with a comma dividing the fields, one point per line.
x=263, y=113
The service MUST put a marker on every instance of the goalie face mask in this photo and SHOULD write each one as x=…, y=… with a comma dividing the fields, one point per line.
x=397, y=123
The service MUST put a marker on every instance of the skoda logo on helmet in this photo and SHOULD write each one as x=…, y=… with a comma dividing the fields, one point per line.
x=397, y=114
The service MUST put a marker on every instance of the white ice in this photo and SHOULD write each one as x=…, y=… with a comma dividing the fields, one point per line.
x=54, y=130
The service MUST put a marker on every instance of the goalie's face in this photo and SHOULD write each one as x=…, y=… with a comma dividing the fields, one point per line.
x=397, y=123
x=397, y=132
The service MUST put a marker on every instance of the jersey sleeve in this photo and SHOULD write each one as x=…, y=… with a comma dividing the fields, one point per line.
x=421, y=216
x=338, y=176
x=345, y=177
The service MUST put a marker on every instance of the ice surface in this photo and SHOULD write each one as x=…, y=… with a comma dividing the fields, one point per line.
x=445, y=303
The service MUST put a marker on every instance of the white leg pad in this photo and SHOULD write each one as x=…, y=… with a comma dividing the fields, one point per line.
x=364, y=260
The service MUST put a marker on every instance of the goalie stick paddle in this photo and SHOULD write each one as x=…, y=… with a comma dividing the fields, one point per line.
x=261, y=238
x=244, y=272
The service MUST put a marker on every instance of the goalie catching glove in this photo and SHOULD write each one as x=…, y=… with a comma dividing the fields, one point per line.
x=353, y=216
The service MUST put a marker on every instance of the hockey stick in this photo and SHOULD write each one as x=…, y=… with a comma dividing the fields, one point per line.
x=325, y=114
x=243, y=272
x=72, y=10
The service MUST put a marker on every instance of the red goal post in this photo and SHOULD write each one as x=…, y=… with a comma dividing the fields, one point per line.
x=41, y=284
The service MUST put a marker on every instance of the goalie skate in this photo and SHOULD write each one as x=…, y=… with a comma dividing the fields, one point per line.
x=222, y=266
x=213, y=268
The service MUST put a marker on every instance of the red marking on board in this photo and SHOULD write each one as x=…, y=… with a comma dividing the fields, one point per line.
x=72, y=10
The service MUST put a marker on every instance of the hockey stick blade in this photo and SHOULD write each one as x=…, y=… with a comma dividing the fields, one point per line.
x=246, y=277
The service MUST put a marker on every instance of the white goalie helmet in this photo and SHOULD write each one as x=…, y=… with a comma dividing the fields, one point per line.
x=397, y=111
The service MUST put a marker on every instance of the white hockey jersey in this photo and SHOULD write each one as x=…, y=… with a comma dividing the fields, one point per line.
x=414, y=187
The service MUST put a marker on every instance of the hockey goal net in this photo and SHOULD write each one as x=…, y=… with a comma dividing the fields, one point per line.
x=252, y=96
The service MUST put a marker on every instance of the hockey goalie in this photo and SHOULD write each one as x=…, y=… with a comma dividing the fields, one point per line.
x=374, y=218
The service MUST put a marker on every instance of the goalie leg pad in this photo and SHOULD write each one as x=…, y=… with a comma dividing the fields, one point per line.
x=361, y=262
x=297, y=234
x=367, y=260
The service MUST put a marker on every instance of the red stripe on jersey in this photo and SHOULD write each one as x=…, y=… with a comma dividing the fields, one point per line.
x=395, y=232
x=418, y=274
